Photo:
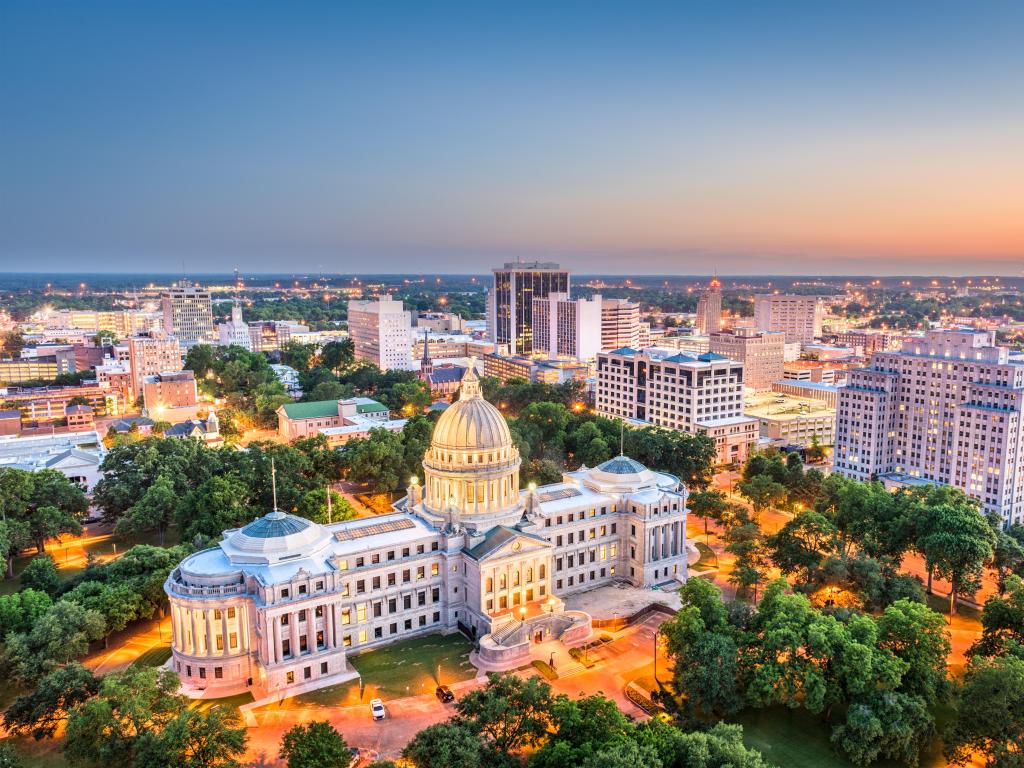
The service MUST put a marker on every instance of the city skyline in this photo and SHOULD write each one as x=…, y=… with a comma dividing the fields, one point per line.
x=797, y=140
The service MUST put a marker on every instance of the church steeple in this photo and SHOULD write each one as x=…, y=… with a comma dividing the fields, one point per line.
x=426, y=364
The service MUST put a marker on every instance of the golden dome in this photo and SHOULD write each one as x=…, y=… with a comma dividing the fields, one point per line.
x=472, y=423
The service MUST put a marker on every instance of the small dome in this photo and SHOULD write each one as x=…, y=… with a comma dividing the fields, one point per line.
x=275, y=524
x=274, y=536
x=622, y=465
x=471, y=423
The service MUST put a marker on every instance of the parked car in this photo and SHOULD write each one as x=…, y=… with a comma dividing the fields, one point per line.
x=377, y=709
x=357, y=756
x=444, y=694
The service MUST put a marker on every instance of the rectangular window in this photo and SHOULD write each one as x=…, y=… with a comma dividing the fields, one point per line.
x=362, y=636
x=361, y=612
x=323, y=667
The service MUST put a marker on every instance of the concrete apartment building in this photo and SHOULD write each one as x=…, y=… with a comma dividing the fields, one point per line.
x=709, y=309
x=663, y=388
x=510, y=301
x=381, y=333
x=188, y=314
x=151, y=354
x=761, y=353
x=799, y=317
x=620, y=324
x=944, y=409
x=171, y=396
x=564, y=327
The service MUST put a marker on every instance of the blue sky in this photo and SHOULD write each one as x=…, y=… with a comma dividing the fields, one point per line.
x=620, y=137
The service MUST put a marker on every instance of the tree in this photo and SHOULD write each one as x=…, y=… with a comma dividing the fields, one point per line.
x=451, y=744
x=298, y=355
x=338, y=355
x=43, y=710
x=1002, y=620
x=957, y=543
x=194, y=739
x=315, y=745
x=916, y=635
x=60, y=635
x=707, y=505
x=376, y=460
x=118, y=728
x=542, y=471
x=745, y=542
x=580, y=728
x=761, y=491
x=41, y=574
x=509, y=712
x=704, y=670
x=9, y=757
x=719, y=747
x=14, y=537
x=154, y=511
x=20, y=610
x=1007, y=557
x=990, y=719
x=886, y=725
x=215, y=505
x=801, y=544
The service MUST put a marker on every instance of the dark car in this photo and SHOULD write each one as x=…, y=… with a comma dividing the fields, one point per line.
x=444, y=694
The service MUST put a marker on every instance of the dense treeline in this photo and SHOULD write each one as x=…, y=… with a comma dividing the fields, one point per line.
x=157, y=482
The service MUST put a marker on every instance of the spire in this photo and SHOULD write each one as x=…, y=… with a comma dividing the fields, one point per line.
x=426, y=364
x=715, y=283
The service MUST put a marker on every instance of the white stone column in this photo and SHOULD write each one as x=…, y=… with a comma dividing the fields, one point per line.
x=243, y=626
x=224, y=629
x=275, y=638
x=329, y=624
x=293, y=631
x=176, y=626
x=194, y=650
x=209, y=631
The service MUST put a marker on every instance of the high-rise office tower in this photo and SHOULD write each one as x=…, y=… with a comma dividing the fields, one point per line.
x=709, y=308
x=944, y=409
x=381, y=333
x=188, y=314
x=567, y=327
x=799, y=317
x=510, y=309
x=620, y=324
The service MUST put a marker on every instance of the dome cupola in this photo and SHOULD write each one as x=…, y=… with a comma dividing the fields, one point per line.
x=472, y=465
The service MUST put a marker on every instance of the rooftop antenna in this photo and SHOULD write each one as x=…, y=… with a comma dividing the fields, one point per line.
x=622, y=437
x=273, y=482
x=329, y=510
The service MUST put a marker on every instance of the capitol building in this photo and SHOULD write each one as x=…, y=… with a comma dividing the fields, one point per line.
x=277, y=607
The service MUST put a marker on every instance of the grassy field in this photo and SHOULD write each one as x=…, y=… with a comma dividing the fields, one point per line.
x=404, y=669
x=794, y=739
x=154, y=657
x=707, y=561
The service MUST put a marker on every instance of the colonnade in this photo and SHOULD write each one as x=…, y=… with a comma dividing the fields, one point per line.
x=332, y=639
x=195, y=630
x=665, y=540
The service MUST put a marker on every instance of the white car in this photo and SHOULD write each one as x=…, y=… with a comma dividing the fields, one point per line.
x=377, y=709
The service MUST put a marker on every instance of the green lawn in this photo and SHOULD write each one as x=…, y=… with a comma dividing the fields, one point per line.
x=794, y=739
x=154, y=657
x=237, y=700
x=707, y=561
x=406, y=668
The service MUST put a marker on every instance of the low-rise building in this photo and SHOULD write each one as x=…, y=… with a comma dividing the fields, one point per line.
x=41, y=405
x=80, y=418
x=339, y=420
x=790, y=420
x=809, y=390
x=171, y=396
x=206, y=430
x=76, y=455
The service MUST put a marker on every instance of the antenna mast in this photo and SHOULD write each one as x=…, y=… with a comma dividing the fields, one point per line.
x=273, y=482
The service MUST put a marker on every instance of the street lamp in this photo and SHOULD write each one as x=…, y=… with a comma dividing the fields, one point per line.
x=522, y=614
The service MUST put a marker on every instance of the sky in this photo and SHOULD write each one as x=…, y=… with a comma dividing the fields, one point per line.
x=746, y=138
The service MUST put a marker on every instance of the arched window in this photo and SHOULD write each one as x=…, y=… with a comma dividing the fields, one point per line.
x=529, y=575
x=543, y=572
x=490, y=584
x=515, y=578
x=501, y=582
